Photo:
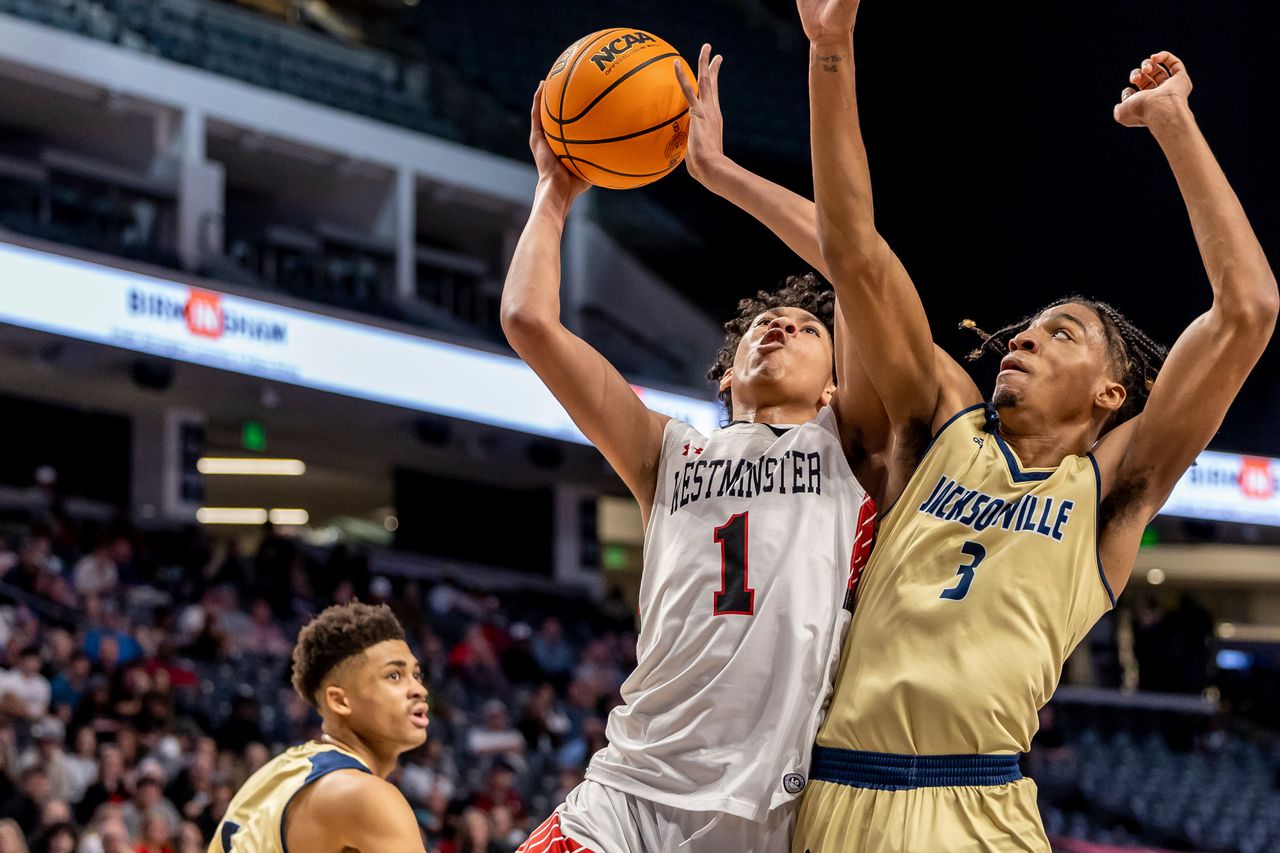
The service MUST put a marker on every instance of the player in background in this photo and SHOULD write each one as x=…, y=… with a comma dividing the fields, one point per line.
x=751, y=536
x=331, y=795
x=1011, y=524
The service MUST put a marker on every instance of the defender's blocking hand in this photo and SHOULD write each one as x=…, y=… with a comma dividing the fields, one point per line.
x=705, y=152
x=1157, y=89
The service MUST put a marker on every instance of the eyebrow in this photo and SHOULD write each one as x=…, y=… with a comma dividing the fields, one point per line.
x=1063, y=315
x=403, y=664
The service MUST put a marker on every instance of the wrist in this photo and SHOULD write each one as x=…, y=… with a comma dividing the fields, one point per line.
x=554, y=196
x=1171, y=120
x=831, y=43
x=715, y=172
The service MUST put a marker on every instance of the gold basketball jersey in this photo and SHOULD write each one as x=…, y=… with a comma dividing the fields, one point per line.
x=984, y=577
x=254, y=822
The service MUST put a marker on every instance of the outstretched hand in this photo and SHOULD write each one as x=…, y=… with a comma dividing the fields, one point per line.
x=705, y=152
x=1159, y=88
x=551, y=171
x=827, y=19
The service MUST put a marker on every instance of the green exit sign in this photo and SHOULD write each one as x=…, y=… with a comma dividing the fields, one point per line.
x=254, y=436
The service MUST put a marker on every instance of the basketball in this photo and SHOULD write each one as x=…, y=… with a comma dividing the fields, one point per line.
x=613, y=111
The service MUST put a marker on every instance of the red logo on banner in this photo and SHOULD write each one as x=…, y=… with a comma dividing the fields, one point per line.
x=1255, y=477
x=204, y=314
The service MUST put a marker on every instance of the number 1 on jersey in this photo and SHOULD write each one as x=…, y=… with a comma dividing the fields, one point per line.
x=976, y=554
x=735, y=598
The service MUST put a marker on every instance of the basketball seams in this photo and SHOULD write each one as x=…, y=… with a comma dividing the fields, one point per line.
x=659, y=126
x=586, y=48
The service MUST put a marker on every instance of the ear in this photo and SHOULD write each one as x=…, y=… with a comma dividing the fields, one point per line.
x=336, y=700
x=1110, y=396
x=828, y=394
x=726, y=380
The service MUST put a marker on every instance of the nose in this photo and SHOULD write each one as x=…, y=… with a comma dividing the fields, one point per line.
x=1024, y=340
x=786, y=324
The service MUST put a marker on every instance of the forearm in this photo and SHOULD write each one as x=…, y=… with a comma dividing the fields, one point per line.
x=1238, y=270
x=841, y=177
x=791, y=217
x=531, y=293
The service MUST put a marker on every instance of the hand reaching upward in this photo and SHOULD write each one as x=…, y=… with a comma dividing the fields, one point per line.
x=706, y=123
x=1160, y=87
x=551, y=172
x=827, y=19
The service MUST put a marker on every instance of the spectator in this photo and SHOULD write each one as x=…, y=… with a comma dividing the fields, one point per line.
x=518, y=663
x=156, y=832
x=69, y=683
x=27, y=803
x=190, y=839
x=47, y=753
x=494, y=738
x=499, y=791
x=475, y=663
x=110, y=787
x=97, y=573
x=59, y=838
x=552, y=652
x=24, y=692
x=263, y=635
x=109, y=835
x=149, y=801
x=12, y=838
x=544, y=724
x=475, y=835
x=83, y=762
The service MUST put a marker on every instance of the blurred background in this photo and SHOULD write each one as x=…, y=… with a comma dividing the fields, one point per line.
x=250, y=262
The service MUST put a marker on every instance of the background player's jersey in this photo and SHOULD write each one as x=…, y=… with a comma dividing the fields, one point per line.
x=985, y=576
x=255, y=818
x=747, y=559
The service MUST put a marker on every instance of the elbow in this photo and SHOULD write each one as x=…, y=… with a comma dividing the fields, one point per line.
x=523, y=326
x=1255, y=314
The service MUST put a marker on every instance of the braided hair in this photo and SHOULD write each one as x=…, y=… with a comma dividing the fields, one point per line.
x=806, y=291
x=1136, y=358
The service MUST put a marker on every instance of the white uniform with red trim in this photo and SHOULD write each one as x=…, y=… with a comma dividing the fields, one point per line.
x=754, y=542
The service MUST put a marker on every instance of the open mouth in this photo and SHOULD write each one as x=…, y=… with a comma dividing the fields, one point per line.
x=773, y=339
x=1011, y=364
x=419, y=716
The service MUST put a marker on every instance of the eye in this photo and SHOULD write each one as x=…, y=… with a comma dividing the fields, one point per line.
x=762, y=321
x=394, y=676
x=1062, y=334
x=813, y=330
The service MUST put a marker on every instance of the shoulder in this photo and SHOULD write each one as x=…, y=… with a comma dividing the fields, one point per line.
x=336, y=796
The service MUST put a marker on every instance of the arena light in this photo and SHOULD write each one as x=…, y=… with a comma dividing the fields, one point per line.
x=251, y=466
x=1155, y=577
x=289, y=517
x=231, y=515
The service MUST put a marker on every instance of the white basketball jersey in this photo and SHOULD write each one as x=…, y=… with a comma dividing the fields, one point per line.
x=752, y=546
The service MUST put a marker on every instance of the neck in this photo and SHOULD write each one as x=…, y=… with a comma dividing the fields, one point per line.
x=783, y=413
x=1042, y=445
x=382, y=764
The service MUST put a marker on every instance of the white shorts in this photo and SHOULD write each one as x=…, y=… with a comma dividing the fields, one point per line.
x=597, y=819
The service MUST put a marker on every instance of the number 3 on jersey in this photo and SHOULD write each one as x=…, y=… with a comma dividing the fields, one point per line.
x=735, y=598
x=976, y=554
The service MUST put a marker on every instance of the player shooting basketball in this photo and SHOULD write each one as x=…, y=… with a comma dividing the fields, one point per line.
x=751, y=533
x=332, y=795
x=1013, y=523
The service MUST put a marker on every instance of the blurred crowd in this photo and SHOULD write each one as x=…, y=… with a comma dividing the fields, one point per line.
x=145, y=675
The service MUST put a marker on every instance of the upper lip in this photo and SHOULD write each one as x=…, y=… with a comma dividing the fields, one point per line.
x=1013, y=362
x=421, y=707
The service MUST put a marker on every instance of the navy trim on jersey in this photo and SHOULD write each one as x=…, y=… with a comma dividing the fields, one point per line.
x=322, y=764
x=885, y=771
x=1097, y=530
x=776, y=430
x=1015, y=470
x=884, y=516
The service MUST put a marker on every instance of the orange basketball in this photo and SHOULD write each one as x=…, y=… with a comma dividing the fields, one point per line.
x=613, y=111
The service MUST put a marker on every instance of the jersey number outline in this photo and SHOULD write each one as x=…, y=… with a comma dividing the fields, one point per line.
x=228, y=829
x=976, y=554
x=735, y=597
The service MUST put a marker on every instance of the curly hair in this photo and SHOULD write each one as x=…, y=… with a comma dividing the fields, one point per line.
x=337, y=634
x=806, y=291
x=1136, y=358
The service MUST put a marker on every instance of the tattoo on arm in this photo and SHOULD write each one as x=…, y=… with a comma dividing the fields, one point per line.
x=830, y=62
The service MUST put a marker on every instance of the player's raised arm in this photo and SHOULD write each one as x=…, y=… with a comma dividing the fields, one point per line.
x=594, y=394
x=791, y=218
x=1210, y=360
x=877, y=296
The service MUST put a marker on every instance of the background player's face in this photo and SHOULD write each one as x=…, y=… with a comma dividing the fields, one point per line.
x=1059, y=367
x=387, y=697
x=785, y=357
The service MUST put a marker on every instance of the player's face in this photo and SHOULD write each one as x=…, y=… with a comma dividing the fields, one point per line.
x=784, y=357
x=387, y=696
x=1059, y=366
